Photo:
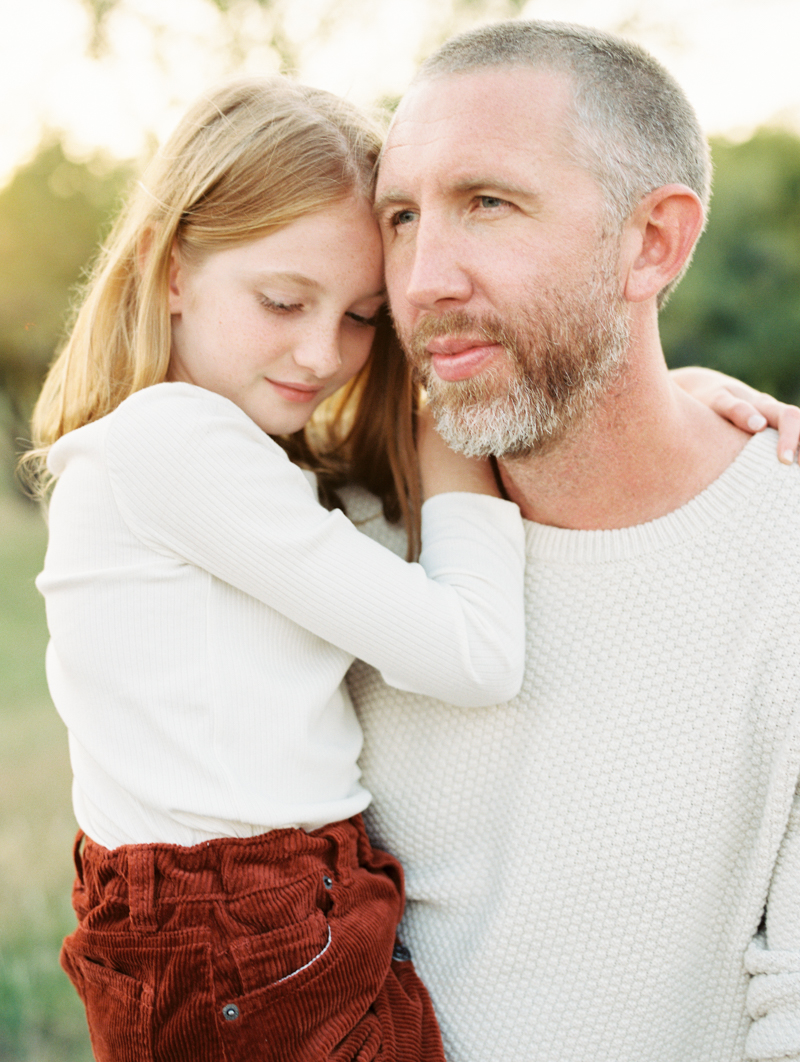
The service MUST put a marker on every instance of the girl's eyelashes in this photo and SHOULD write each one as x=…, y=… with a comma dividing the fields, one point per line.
x=276, y=306
x=279, y=307
x=368, y=322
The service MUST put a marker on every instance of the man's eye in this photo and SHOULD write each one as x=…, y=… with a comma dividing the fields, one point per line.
x=402, y=217
x=491, y=202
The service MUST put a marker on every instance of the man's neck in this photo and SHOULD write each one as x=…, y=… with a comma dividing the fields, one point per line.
x=647, y=449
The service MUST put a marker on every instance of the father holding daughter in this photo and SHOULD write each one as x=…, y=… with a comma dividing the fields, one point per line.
x=589, y=863
x=607, y=868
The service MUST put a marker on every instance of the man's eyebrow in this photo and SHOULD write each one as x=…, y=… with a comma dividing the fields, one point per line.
x=497, y=184
x=486, y=183
x=389, y=198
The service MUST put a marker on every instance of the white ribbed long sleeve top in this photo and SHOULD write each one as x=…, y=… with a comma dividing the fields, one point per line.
x=204, y=607
x=587, y=866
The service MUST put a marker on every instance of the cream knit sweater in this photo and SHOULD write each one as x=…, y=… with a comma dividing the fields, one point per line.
x=589, y=865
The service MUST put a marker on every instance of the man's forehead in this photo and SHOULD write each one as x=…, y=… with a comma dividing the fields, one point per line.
x=463, y=121
x=513, y=90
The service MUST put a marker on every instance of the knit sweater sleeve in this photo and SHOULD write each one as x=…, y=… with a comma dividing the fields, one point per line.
x=195, y=478
x=773, y=959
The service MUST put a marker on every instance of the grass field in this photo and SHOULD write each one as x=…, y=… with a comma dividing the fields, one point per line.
x=41, y=1018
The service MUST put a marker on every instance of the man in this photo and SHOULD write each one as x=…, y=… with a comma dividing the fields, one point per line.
x=606, y=869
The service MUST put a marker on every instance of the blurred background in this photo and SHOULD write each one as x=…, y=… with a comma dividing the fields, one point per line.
x=88, y=89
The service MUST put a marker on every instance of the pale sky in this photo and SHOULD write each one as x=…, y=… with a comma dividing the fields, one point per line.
x=735, y=58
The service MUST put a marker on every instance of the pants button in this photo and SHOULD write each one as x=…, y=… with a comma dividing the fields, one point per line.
x=230, y=1012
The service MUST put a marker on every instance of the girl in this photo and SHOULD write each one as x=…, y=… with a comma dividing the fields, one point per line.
x=204, y=607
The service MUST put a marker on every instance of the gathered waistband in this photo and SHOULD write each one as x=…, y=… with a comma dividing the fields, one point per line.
x=147, y=876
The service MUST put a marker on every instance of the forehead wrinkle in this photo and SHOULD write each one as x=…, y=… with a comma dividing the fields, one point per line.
x=417, y=123
x=454, y=153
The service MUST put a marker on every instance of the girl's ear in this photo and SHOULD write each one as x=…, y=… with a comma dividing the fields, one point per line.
x=659, y=239
x=143, y=252
x=176, y=274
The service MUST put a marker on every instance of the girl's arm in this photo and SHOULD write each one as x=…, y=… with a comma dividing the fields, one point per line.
x=442, y=470
x=745, y=407
x=195, y=479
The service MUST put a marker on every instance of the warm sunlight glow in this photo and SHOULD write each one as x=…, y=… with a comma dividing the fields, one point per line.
x=736, y=58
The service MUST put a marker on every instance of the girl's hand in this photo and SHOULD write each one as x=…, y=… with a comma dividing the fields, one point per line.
x=745, y=407
x=443, y=470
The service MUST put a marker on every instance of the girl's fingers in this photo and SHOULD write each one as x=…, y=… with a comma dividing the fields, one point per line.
x=738, y=409
x=788, y=433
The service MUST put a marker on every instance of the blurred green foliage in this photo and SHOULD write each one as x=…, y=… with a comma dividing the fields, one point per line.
x=738, y=308
x=41, y=1017
x=52, y=215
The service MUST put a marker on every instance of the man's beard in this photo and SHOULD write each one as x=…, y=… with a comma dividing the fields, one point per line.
x=562, y=353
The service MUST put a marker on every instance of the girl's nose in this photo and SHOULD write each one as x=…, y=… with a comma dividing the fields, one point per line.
x=319, y=351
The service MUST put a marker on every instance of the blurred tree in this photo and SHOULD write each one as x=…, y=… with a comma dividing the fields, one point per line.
x=268, y=28
x=738, y=309
x=52, y=215
x=286, y=26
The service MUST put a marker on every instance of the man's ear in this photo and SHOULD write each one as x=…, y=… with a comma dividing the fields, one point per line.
x=659, y=238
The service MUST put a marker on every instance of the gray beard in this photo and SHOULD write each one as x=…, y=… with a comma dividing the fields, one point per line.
x=561, y=358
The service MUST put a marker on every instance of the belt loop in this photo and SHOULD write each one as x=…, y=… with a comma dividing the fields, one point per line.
x=142, y=888
x=345, y=842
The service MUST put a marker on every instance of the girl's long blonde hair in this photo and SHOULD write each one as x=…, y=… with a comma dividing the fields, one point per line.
x=247, y=159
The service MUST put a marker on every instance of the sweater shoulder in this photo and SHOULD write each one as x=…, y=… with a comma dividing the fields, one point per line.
x=366, y=512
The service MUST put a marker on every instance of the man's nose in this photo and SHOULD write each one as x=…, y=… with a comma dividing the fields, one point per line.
x=437, y=274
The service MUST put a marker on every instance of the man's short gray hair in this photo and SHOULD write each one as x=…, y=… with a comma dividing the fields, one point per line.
x=632, y=125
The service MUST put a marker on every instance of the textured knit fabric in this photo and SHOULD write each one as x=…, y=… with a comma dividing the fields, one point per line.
x=204, y=608
x=278, y=948
x=588, y=866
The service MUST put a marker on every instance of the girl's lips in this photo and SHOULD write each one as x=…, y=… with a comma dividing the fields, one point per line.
x=295, y=392
x=459, y=360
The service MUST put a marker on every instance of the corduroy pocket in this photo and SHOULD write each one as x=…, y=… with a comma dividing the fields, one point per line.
x=146, y=996
x=119, y=1008
x=281, y=954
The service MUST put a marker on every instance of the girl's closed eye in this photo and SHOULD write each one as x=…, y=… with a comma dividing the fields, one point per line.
x=361, y=319
x=277, y=306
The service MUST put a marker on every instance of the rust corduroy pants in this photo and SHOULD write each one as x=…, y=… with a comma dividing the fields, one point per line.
x=280, y=947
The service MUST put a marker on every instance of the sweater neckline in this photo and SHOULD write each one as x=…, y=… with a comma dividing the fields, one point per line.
x=720, y=500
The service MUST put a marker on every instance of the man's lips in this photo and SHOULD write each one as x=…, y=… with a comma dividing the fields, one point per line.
x=459, y=357
x=293, y=392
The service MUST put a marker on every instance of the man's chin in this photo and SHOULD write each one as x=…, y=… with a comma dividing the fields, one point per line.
x=521, y=423
x=481, y=432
